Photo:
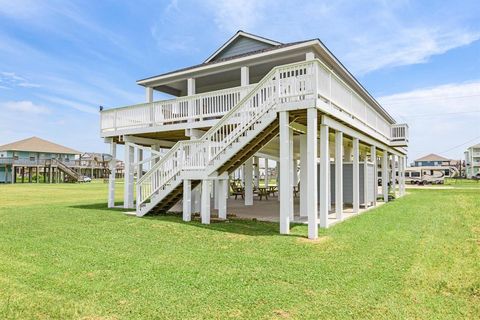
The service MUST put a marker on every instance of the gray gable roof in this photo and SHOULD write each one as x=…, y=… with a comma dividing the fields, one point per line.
x=240, y=43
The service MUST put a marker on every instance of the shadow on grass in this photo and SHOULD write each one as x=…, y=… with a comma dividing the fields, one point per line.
x=236, y=226
x=99, y=206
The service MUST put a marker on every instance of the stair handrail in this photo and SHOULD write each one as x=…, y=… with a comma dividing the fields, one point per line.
x=180, y=145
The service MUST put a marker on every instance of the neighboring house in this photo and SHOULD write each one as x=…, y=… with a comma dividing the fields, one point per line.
x=449, y=167
x=472, y=161
x=36, y=160
x=96, y=165
x=256, y=97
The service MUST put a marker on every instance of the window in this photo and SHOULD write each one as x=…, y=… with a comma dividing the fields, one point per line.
x=415, y=174
x=407, y=174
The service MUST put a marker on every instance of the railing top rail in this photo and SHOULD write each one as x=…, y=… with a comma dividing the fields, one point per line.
x=180, y=99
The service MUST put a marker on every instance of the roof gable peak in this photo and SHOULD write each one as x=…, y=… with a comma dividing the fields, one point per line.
x=232, y=45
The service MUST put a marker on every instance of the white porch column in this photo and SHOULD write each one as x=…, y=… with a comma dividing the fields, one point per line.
x=266, y=173
x=366, y=203
x=205, y=207
x=339, y=175
x=311, y=184
x=111, y=178
x=285, y=188
x=356, y=177
x=394, y=175
x=216, y=193
x=222, y=199
x=304, y=188
x=290, y=173
x=402, y=175
x=324, y=176
x=385, y=175
x=248, y=167
x=373, y=155
x=244, y=76
x=128, y=186
x=187, y=200
x=139, y=166
x=190, y=91
x=256, y=168
x=148, y=94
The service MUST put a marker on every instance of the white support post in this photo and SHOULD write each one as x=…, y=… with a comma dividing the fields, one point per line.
x=248, y=170
x=303, y=175
x=129, y=170
x=222, y=200
x=311, y=183
x=266, y=173
x=111, y=178
x=190, y=91
x=373, y=155
x=291, y=172
x=216, y=193
x=244, y=76
x=187, y=200
x=205, y=207
x=339, y=175
x=385, y=175
x=324, y=176
x=356, y=177
x=402, y=175
x=256, y=168
x=394, y=175
x=148, y=94
x=139, y=165
x=285, y=190
x=366, y=203
x=156, y=148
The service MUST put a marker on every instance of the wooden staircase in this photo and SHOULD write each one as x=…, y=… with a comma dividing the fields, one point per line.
x=72, y=175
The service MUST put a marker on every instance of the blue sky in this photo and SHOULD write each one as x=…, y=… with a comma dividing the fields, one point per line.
x=60, y=60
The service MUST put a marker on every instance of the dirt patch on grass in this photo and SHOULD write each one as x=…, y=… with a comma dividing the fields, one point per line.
x=319, y=240
x=281, y=314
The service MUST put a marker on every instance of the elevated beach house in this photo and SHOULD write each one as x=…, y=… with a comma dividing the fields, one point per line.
x=36, y=160
x=294, y=103
x=437, y=162
x=472, y=161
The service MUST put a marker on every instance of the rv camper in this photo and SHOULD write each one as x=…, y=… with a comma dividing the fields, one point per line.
x=425, y=175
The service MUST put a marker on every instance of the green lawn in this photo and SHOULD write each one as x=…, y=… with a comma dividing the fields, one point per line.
x=63, y=255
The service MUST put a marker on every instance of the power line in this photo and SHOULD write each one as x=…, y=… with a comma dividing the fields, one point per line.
x=423, y=99
x=460, y=145
x=439, y=114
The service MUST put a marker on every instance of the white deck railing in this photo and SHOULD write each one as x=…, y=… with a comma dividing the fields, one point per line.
x=400, y=132
x=334, y=91
x=198, y=107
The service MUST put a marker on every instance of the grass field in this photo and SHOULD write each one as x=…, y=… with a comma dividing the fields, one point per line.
x=63, y=255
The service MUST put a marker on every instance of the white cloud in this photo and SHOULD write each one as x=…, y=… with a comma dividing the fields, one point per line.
x=11, y=79
x=25, y=106
x=71, y=104
x=405, y=47
x=439, y=118
x=240, y=14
